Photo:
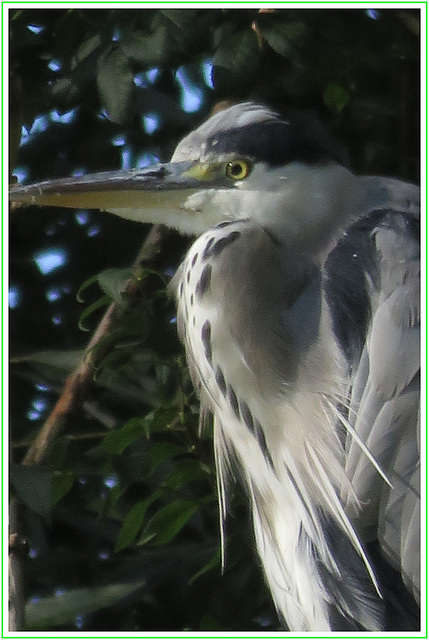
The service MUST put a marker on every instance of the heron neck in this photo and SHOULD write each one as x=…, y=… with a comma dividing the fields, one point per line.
x=321, y=203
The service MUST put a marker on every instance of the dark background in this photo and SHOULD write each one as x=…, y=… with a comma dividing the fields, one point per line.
x=120, y=516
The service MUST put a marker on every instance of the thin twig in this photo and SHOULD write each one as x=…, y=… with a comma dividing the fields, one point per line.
x=16, y=580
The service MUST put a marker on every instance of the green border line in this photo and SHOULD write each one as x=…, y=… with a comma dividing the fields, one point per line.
x=2, y=318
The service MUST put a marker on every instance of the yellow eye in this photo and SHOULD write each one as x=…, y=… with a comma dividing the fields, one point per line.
x=237, y=169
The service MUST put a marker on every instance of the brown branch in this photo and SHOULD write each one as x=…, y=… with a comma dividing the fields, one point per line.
x=17, y=551
x=256, y=29
x=78, y=383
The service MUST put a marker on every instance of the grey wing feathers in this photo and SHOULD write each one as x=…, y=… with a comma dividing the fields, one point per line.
x=383, y=348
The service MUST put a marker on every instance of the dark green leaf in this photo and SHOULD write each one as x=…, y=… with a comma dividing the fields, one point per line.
x=214, y=563
x=208, y=623
x=336, y=97
x=61, y=485
x=55, y=611
x=85, y=49
x=235, y=62
x=283, y=37
x=148, y=50
x=55, y=365
x=112, y=282
x=34, y=487
x=183, y=472
x=161, y=451
x=115, y=83
x=98, y=304
x=168, y=521
x=117, y=441
x=65, y=90
x=132, y=525
x=160, y=419
x=84, y=286
x=183, y=20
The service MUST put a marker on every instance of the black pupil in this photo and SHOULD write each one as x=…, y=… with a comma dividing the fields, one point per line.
x=236, y=169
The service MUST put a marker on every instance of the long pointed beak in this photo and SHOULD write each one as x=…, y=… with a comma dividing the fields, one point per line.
x=155, y=194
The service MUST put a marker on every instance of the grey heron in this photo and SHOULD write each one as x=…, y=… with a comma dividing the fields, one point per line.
x=298, y=306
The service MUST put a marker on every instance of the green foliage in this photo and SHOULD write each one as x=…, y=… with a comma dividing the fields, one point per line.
x=61, y=485
x=53, y=365
x=331, y=60
x=115, y=83
x=284, y=37
x=112, y=282
x=168, y=521
x=34, y=487
x=235, y=61
x=336, y=97
x=62, y=609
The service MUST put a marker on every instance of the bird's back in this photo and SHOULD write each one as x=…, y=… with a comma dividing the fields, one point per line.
x=376, y=304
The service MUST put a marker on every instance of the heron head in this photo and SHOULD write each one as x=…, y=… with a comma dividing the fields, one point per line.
x=244, y=162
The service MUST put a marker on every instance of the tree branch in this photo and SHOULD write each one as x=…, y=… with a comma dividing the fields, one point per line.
x=77, y=384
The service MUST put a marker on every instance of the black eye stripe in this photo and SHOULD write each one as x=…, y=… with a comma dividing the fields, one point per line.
x=277, y=142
